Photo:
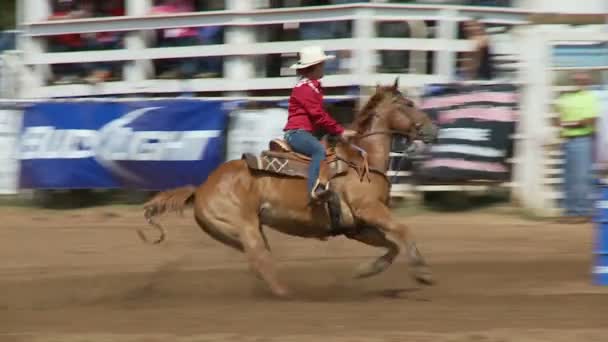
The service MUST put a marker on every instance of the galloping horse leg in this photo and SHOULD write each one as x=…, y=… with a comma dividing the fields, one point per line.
x=378, y=215
x=258, y=274
x=226, y=239
x=374, y=237
x=260, y=259
x=263, y=233
x=219, y=235
x=251, y=241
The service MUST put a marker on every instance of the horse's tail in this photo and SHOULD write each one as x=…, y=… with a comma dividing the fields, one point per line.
x=175, y=200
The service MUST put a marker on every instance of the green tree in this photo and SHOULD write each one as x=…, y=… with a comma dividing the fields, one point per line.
x=7, y=14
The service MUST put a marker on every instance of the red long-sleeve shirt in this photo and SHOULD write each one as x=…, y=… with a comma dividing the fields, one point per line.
x=306, y=109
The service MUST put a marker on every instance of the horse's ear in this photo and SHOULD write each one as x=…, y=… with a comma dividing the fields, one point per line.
x=377, y=87
x=396, y=85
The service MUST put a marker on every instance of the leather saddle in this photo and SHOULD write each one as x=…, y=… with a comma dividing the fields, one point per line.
x=282, y=160
x=281, y=146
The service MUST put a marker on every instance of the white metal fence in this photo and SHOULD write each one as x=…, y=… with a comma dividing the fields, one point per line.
x=539, y=162
x=436, y=32
x=10, y=122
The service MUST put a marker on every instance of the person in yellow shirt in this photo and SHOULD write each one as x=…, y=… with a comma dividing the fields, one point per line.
x=578, y=111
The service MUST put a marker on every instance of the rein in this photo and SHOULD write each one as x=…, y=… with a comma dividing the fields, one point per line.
x=366, y=169
x=389, y=132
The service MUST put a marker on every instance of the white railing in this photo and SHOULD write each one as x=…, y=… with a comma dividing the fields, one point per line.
x=538, y=170
x=10, y=123
x=240, y=45
x=257, y=17
x=4, y=75
x=10, y=68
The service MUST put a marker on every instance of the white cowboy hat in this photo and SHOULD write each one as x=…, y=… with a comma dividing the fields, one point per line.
x=311, y=55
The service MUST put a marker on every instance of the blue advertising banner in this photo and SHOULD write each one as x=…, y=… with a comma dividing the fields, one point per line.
x=153, y=145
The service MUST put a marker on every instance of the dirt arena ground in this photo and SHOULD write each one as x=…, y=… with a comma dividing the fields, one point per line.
x=83, y=275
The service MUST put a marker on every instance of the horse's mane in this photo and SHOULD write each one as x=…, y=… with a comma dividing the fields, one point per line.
x=363, y=118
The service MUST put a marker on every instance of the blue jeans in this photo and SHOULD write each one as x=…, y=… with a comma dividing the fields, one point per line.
x=578, y=176
x=305, y=143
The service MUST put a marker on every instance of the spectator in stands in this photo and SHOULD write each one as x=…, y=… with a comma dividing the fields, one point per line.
x=7, y=40
x=578, y=111
x=67, y=9
x=492, y=3
x=478, y=63
x=329, y=30
x=99, y=72
x=174, y=37
x=112, y=8
x=210, y=66
x=72, y=9
x=394, y=61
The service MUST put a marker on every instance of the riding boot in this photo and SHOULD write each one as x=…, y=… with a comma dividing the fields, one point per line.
x=320, y=190
x=323, y=195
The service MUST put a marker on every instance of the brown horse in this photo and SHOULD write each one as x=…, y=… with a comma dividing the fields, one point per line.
x=235, y=204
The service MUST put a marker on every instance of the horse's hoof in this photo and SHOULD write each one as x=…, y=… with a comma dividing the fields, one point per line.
x=424, y=276
x=282, y=294
x=426, y=279
x=372, y=268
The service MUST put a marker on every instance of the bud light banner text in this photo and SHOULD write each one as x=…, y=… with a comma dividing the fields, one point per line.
x=153, y=145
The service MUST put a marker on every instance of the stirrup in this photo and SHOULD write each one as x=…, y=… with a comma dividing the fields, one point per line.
x=319, y=191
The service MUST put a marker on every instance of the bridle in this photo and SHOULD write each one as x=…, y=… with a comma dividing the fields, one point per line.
x=410, y=147
x=405, y=102
x=386, y=132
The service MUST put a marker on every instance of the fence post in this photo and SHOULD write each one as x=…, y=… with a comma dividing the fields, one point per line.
x=445, y=60
x=530, y=170
x=33, y=79
x=10, y=123
x=239, y=68
x=137, y=70
x=362, y=56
